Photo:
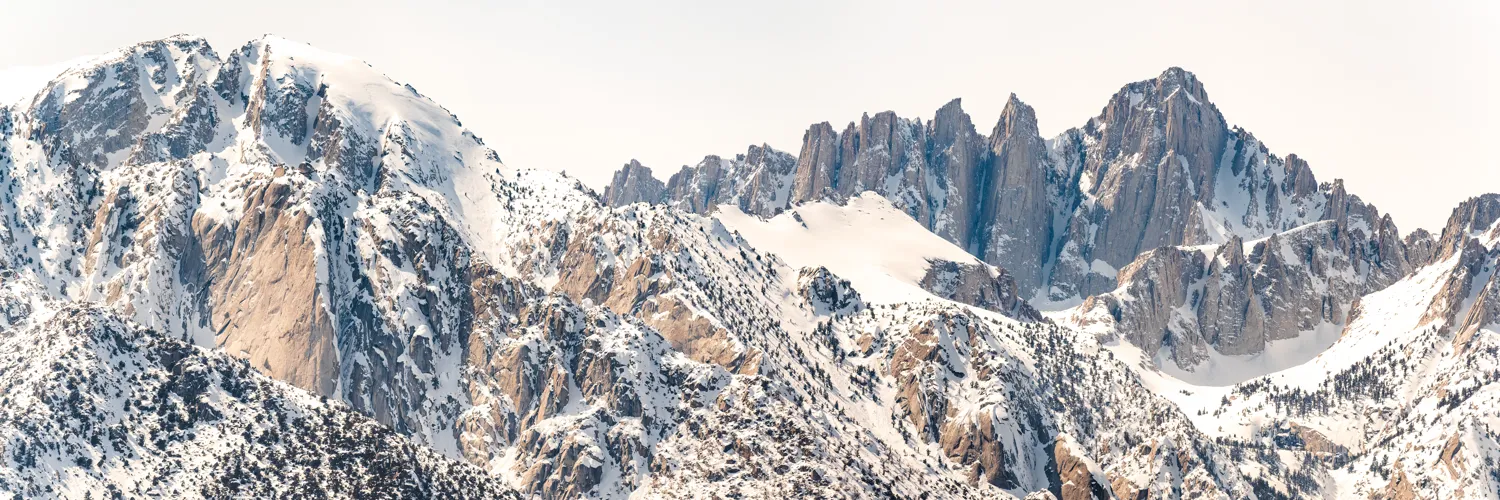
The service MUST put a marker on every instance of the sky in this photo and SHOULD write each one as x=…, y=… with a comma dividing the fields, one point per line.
x=1395, y=97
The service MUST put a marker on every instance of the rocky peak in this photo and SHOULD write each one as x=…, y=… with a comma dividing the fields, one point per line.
x=956, y=154
x=1421, y=246
x=126, y=88
x=1232, y=252
x=761, y=154
x=1175, y=78
x=1017, y=119
x=633, y=183
x=1300, y=180
x=1470, y=220
x=817, y=164
x=950, y=121
x=1018, y=197
x=1171, y=113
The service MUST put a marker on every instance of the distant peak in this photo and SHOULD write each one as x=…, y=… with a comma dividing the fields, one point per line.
x=1477, y=213
x=1175, y=85
x=1176, y=73
x=272, y=37
x=179, y=39
x=1018, y=111
x=953, y=111
x=1175, y=80
x=1014, y=104
x=1017, y=118
x=185, y=38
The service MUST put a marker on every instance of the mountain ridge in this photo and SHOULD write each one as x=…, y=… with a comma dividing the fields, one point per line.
x=294, y=215
x=1158, y=167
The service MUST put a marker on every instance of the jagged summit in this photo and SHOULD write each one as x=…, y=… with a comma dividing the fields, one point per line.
x=1016, y=118
x=1171, y=83
x=1158, y=156
x=1475, y=214
x=1474, y=218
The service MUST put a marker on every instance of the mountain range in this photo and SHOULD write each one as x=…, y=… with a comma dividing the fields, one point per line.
x=277, y=272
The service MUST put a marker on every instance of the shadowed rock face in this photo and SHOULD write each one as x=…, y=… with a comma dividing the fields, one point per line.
x=1475, y=281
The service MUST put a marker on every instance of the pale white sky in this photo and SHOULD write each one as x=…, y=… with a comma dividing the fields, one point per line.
x=1396, y=97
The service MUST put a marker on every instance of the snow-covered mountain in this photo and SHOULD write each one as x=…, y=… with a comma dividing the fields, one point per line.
x=277, y=272
x=1095, y=213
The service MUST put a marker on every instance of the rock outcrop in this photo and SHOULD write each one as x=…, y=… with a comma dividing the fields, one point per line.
x=978, y=285
x=827, y=293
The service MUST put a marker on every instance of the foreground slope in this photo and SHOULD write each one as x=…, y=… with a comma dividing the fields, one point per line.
x=96, y=407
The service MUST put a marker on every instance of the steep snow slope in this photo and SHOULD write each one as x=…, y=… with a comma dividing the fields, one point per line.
x=867, y=241
x=888, y=257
